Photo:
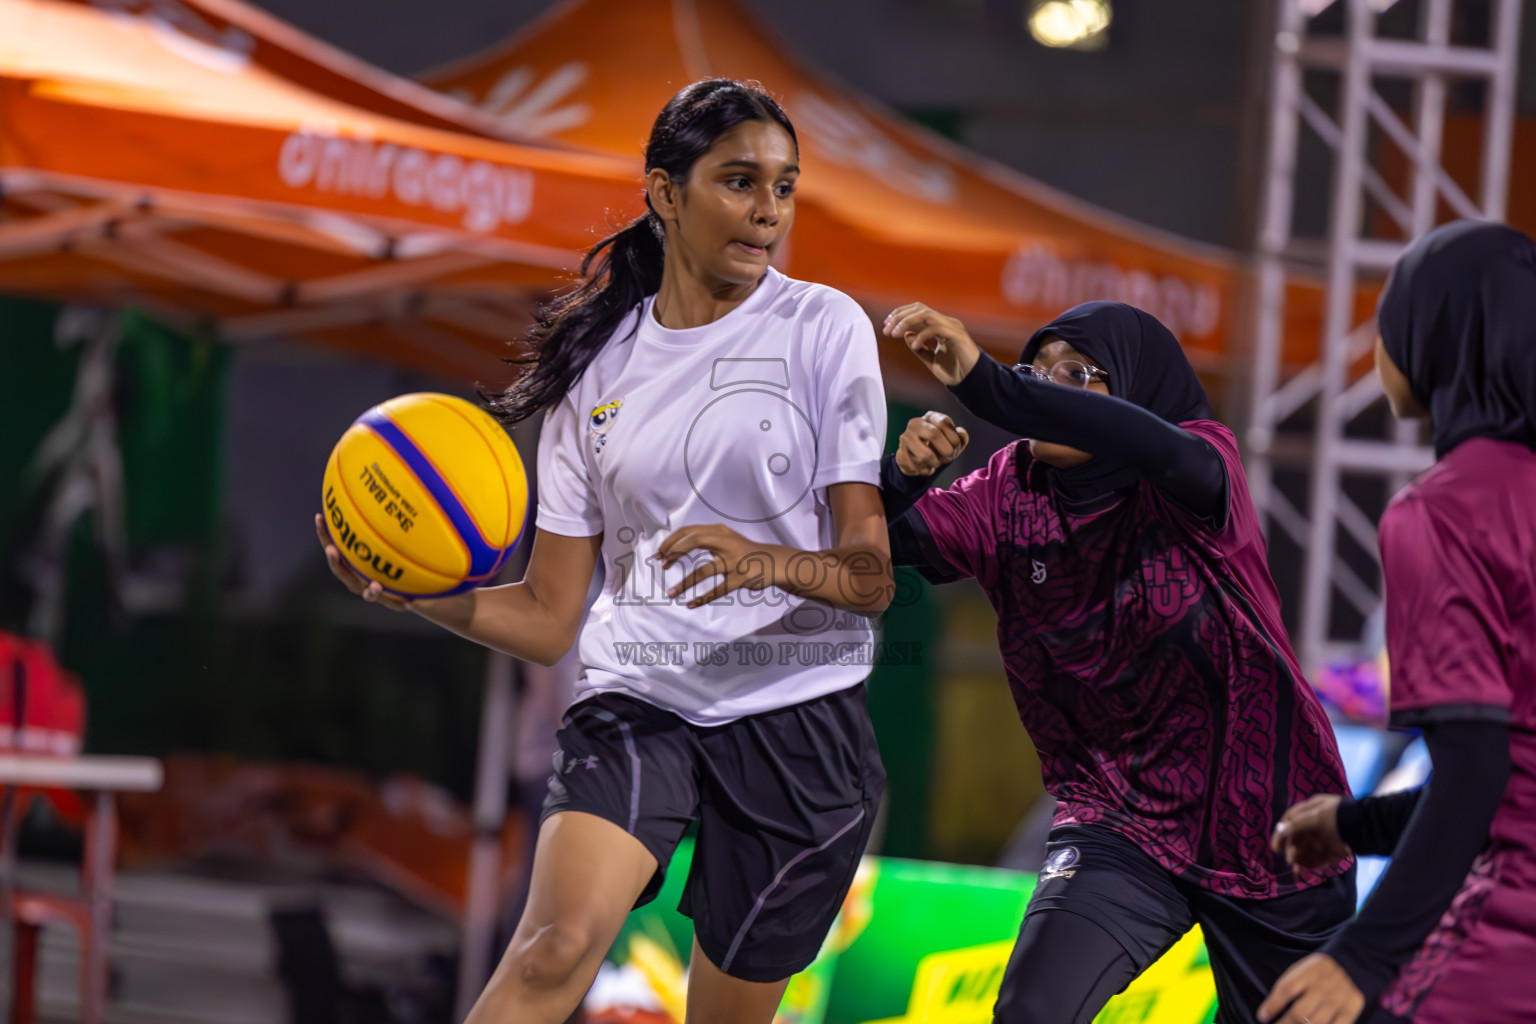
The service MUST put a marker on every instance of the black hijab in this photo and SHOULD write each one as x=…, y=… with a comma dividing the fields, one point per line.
x=1146, y=366
x=1458, y=317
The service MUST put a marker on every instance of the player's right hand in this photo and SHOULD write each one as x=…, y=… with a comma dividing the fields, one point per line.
x=930, y=442
x=940, y=342
x=1308, y=833
x=368, y=590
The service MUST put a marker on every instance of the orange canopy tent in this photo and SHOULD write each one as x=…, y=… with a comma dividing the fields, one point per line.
x=226, y=31
x=888, y=212
x=153, y=157
x=201, y=157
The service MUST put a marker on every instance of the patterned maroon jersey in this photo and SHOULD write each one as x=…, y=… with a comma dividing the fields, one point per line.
x=1458, y=549
x=1147, y=659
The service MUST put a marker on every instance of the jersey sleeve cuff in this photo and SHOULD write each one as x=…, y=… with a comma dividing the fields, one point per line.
x=567, y=526
x=1408, y=718
x=850, y=473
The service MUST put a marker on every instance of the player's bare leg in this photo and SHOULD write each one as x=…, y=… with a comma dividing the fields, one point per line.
x=715, y=997
x=587, y=874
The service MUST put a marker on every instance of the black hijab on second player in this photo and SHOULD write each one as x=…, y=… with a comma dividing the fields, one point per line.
x=1458, y=318
x=1146, y=366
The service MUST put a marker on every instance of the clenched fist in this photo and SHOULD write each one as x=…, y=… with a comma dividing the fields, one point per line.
x=930, y=442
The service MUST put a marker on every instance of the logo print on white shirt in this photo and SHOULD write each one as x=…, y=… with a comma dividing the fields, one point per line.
x=600, y=421
x=1038, y=576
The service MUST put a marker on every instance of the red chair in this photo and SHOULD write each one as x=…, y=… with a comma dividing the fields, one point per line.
x=30, y=911
x=42, y=712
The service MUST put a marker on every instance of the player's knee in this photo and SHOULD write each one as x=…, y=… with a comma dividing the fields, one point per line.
x=551, y=956
x=1035, y=1005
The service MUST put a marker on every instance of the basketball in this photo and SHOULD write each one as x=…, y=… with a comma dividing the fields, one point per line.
x=426, y=494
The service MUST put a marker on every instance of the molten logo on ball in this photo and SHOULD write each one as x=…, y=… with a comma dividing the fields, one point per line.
x=348, y=543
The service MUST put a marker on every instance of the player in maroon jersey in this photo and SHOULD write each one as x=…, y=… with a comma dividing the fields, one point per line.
x=1450, y=932
x=1141, y=635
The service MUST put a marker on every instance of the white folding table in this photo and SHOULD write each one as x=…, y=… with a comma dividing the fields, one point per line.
x=91, y=910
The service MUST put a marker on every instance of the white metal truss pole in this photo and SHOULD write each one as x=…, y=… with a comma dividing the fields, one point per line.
x=1344, y=233
x=1353, y=251
x=1274, y=239
x=1429, y=121
x=1498, y=128
x=1435, y=25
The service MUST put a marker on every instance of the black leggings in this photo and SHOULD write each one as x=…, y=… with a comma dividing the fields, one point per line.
x=1103, y=912
x=1062, y=971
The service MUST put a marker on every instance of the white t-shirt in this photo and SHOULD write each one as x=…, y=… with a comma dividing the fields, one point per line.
x=745, y=422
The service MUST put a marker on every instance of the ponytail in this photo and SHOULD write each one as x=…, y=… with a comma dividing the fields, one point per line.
x=625, y=268
x=618, y=274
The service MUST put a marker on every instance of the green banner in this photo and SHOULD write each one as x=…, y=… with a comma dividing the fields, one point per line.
x=915, y=943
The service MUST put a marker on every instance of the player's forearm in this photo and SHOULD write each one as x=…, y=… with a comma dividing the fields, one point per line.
x=1374, y=825
x=1448, y=828
x=1183, y=466
x=898, y=491
x=510, y=619
x=854, y=577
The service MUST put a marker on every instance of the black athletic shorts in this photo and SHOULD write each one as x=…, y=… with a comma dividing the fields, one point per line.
x=1104, y=911
x=784, y=803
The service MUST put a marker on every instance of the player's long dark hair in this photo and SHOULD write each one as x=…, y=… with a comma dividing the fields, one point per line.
x=624, y=268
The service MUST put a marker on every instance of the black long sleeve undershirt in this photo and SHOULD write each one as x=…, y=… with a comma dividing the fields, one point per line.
x=1181, y=465
x=899, y=492
x=1372, y=826
x=1446, y=829
x=911, y=543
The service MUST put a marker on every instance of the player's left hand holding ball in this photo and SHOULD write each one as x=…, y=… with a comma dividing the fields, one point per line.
x=368, y=590
x=1316, y=990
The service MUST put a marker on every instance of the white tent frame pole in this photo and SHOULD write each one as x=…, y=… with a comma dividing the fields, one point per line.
x=482, y=891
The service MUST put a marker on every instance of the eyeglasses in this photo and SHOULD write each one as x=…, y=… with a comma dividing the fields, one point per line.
x=1068, y=373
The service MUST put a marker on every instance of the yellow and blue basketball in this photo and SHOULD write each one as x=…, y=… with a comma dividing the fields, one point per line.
x=425, y=494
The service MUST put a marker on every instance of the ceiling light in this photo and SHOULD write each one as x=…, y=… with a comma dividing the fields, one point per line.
x=1070, y=24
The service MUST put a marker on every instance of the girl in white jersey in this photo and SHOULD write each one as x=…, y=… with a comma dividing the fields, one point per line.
x=714, y=433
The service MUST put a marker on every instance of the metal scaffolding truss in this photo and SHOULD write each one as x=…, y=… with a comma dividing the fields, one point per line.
x=1311, y=417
